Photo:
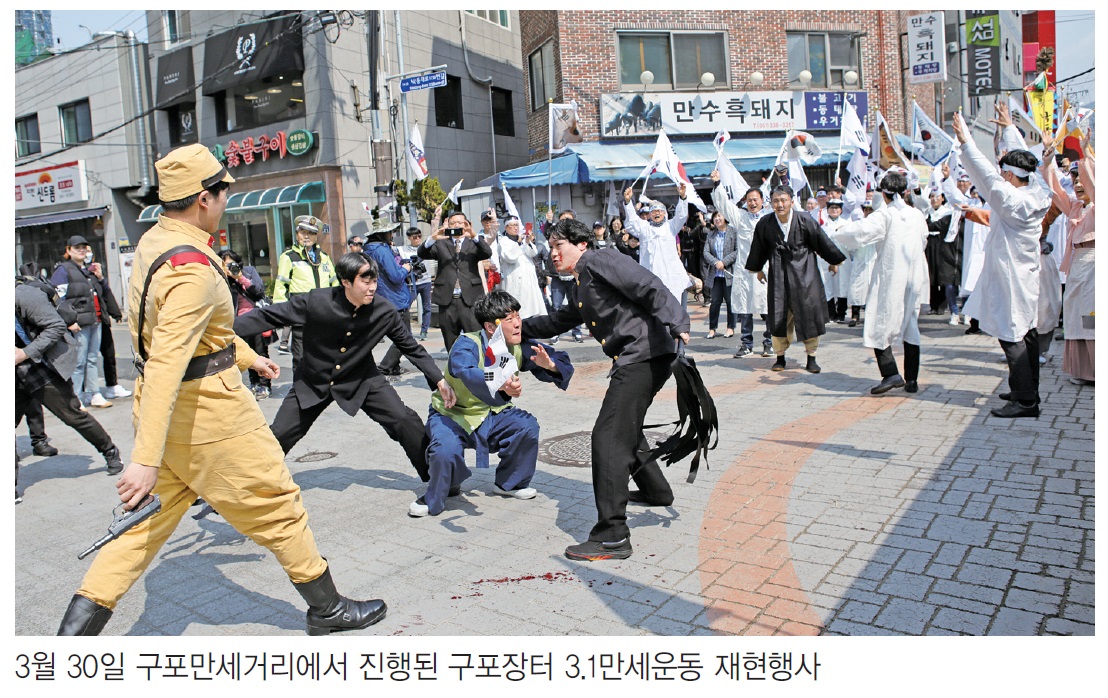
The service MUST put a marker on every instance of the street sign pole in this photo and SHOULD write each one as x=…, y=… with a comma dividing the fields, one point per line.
x=412, y=212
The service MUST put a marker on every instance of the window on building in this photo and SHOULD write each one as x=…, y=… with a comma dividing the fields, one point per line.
x=265, y=101
x=448, y=103
x=76, y=122
x=182, y=123
x=677, y=59
x=495, y=16
x=26, y=136
x=172, y=26
x=541, y=68
x=503, y=121
x=826, y=56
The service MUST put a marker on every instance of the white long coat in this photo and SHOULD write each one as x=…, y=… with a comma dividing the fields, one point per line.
x=835, y=285
x=658, y=247
x=518, y=276
x=748, y=295
x=1005, y=300
x=898, y=235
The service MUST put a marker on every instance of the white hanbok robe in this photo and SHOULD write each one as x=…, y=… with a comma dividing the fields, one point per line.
x=898, y=235
x=973, y=236
x=835, y=285
x=658, y=248
x=748, y=295
x=1005, y=299
x=518, y=276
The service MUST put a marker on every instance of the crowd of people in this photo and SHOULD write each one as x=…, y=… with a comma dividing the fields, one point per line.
x=979, y=242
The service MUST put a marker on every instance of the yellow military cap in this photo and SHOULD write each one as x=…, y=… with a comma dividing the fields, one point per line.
x=187, y=171
x=310, y=224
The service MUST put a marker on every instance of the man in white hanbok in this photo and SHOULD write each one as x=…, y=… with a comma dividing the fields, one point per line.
x=898, y=234
x=517, y=272
x=748, y=294
x=658, y=241
x=962, y=195
x=836, y=286
x=1006, y=298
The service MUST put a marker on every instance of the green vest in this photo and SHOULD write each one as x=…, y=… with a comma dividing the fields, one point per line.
x=469, y=412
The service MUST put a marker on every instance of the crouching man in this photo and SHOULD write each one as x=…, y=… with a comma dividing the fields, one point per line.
x=484, y=419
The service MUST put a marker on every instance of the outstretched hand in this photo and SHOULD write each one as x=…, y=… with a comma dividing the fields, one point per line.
x=543, y=360
x=449, y=397
x=266, y=368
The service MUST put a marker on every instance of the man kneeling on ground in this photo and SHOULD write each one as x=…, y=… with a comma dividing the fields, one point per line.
x=483, y=419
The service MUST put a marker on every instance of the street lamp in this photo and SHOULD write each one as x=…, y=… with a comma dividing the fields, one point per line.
x=850, y=77
x=756, y=78
x=707, y=79
x=805, y=78
x=647, y=79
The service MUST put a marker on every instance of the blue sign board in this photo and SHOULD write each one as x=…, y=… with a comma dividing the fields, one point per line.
x=824, y=109
x=423, y=82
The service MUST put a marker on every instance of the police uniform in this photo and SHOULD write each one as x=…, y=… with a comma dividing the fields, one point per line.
x=636, y=319
x=298, y=273
x=206, y=434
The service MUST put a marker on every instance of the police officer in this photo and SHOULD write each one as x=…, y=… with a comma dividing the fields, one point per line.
x=199, y=432
x=303, y=267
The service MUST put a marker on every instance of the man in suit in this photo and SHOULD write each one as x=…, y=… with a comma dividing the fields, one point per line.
x=343, y=324
x=458, y=284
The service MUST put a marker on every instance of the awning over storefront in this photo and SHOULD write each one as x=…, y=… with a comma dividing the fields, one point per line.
x=311, y=192
x=176, y=78
x=60, y=217
x=602, y=162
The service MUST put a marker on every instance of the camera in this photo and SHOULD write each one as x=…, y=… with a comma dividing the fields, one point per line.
x=418, y=267
x=455, y=232
x=234, y=268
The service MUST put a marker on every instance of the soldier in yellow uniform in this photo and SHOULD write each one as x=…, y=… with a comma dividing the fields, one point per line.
x=302, y=268
x=198, y=430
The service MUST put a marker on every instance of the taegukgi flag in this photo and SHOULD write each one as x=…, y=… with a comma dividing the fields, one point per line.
x=417, y=159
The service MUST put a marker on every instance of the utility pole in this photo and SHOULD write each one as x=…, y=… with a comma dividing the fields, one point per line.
x=412, y=212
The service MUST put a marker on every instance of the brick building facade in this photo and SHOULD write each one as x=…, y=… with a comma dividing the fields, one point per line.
x=586, y=55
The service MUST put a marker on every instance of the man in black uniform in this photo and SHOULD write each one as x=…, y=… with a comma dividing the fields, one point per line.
x=790, y=241
x=636, y=320
x=458, y=284
x=342, y=325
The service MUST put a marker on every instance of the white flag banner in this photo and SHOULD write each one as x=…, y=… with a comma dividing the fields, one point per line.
x=1032, y=136
x=417, y=159
x=729, y=178
x=932, y=144
x=508, y=203
x=563, y=127
x=884, y=150
x=499, y=364
x=853, y=134
x=453, y=195
x=857, y=169
x=789, y=155
x=665, y=160
x=613, y=199
x=803, y=146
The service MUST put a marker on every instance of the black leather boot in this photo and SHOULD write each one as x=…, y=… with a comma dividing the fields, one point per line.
x=330, y=613
x=84, y=617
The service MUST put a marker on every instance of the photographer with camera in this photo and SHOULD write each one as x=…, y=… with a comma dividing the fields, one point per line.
x=423, y=272
x=458, y=285
x=247, y=292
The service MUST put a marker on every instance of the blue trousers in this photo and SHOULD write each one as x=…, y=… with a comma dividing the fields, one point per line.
x=513, y=433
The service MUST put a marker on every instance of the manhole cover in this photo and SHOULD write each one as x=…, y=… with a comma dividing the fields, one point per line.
x=316, y=456
x=575, y=450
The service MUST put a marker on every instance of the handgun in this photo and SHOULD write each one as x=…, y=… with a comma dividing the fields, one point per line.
x=123, y=521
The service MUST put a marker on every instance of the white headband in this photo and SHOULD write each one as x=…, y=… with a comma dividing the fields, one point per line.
x=1017, y=171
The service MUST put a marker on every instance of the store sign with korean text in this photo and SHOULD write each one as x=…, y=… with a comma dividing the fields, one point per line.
x=254, y=148
x=689, y=113
x=49, y=186
x=983, y=46
x=926, y=48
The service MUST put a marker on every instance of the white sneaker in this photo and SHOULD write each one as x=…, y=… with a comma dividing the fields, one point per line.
x=418, y=509
x=98, y=400
x=525, y=493
x=954, y=320
x=116, y=391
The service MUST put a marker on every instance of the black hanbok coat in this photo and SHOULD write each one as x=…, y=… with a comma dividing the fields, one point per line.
x=794, y=280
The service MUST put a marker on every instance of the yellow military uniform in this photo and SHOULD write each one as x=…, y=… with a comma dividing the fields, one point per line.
x=208, y=436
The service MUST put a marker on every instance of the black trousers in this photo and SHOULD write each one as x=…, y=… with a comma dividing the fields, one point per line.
x=391, y=361
x=296, y=346
x=58, y=397
x=36, y=422
x=618, y=445
x=886, y=362
x=107, y=351
x=1023, y=367
x=721, y=293
x=455, y=318
x=383, y=406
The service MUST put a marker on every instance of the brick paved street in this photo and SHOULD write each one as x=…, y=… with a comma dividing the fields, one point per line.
x=825, y=511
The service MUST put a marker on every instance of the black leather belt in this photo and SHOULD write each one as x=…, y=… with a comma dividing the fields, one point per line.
x=201, y=366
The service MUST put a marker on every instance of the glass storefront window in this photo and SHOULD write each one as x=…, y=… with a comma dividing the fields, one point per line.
x=266, y=101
